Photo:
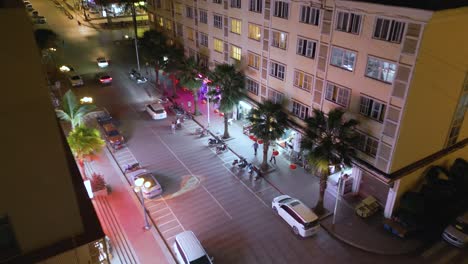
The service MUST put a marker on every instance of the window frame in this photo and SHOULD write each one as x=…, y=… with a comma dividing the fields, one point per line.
x=275, y=72
x=343, y=58
x=300, y=110
x=203, y=16
x=236, y=4
x=255, y=88
x=381, y=69
x=277, y=44
x=218, y=24
x=348, y=19
x=203, y=39
x=250, y=26
x=337, y=94
x=300, y=81
x=219, y=41
x=367, y=144
x=281, y=9
x=189, y=11
x=256, y=6
x=313, y=48
x=372, y=108
x=256, y=59
x=178, y=8
x=180, y=30
x=238, y=26
x=309, y=15
x=275, y=96
x=217, y=1
x=190, y=34
x=234, y=54
x=389, y=32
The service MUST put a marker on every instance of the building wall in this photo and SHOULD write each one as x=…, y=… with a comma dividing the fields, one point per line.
x=435, y=90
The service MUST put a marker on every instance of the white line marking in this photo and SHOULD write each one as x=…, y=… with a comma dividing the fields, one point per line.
x=170, y=229
x=161, y=216
x=166, y=223
x=191, y=174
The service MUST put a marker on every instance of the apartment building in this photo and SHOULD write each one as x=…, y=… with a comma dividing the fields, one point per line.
x=399, y=67
x=46, y=215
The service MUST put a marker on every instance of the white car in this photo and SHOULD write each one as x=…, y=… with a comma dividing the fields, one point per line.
x=189, y=250
x=102, y=62
x=457, y=233
x=151, y=187
x=303, y=221
x=156, y=111
x=76, y=80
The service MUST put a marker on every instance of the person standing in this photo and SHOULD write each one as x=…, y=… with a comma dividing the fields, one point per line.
x=273, y=157
x=173, y=127
x=255, y=147
x=189, y=105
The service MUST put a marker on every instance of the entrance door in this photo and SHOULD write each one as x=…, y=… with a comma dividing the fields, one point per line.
x=369, y=185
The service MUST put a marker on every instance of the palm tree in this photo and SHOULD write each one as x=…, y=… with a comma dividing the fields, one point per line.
x=45, y=38
x=72, y=111
x=268, y=124
x=329, y=142
x=154, y=49
x=173, y=64
x=231, y=84
x=189, y=78
x=84, y=141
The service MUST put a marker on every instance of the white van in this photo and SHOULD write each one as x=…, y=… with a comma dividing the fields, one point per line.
x=189, y=250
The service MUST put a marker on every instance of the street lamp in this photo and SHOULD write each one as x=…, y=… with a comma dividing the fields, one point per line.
x=338, y=194
x=138, y=185
x=206, y=81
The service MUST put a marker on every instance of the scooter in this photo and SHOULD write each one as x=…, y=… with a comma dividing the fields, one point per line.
x=132, y=167
x=221, y=148
x=214, y=142
x=241, y=162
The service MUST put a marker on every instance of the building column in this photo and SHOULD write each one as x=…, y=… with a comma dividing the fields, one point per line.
x=391, y=198
x=356, y=175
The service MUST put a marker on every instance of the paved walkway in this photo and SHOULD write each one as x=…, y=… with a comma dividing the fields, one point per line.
x=121, y=217
x=366, y=234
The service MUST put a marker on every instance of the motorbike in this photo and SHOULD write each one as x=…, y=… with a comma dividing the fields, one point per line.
x=132, y=167
x=221, y=148
x=241, y=162
x=214, y=142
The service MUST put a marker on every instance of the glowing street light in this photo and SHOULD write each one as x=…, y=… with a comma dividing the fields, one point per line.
x=138, y=185
x=86, y=100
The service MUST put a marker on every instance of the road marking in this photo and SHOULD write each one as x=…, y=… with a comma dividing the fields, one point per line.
x=433, y=249
x=167, y=223
x=170, y=229
x=161, y=216
x=191, y=173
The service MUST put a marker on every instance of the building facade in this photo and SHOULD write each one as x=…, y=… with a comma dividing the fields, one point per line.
x=399, y=69
x=46, y=215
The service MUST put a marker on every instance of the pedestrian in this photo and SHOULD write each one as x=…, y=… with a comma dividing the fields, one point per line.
x=189, y=105
x=273, y=157
x=178, y=123
x=255, y=147
x=173, y=127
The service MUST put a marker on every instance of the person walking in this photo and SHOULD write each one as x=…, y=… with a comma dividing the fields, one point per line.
x=273, y=157
x=255, y=147
x=173, y=127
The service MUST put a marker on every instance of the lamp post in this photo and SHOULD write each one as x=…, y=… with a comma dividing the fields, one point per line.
x=138, y=185
x=206, y=81
x=338, y=195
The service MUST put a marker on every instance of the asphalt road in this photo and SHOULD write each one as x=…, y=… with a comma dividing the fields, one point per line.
x=201, y=194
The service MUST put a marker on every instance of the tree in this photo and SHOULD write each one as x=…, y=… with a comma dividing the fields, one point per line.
x=329, y=141
x=231, y=84
x=268, y=124
x=154, y=49
x=84, y=141
x=173, y=64
x=189, y=78
x=72, y=111
x=45, y=39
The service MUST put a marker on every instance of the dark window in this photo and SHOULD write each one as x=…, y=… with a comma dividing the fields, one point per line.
x=389, y=30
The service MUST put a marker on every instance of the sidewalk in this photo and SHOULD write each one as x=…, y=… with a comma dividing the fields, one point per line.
x=121, y=217
x=366, y=234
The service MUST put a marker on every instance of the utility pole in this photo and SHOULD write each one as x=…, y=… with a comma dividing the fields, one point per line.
x=135, y=34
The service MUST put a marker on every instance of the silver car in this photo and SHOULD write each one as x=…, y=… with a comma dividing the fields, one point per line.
x=457, y=233
x=151, y=187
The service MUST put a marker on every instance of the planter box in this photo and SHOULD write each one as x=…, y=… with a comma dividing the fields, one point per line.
x=102, y=192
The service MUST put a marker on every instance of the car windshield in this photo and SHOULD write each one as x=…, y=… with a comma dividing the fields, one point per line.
x=295, y=203
x=311, y=224
x=160, y=111
x=76, y=77
x=461, y=226
x=285, y=200
x=113, y=133
x=202, y=260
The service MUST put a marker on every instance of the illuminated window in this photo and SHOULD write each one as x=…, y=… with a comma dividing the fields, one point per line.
x=236, y=26
x=302, y=80
x=179, y=8
x=381, y=69
x=338, y=95
x=254, y=60
x=168, y=24
x=160, y=21
x=279, y=39
x=236, y=52
x=190, y=34
x=218, y=45
x=343, y=58
x=254, y=32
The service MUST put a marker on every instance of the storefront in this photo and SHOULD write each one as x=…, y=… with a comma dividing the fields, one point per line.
x=243, y=110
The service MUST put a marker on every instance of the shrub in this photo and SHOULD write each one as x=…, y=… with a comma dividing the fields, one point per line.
x=97, y=182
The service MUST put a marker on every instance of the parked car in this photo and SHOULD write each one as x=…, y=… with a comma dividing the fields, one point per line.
x=102, y=62
x=29, y=7
x=156, y=111
x=39, y=20
x=35, y=13
x=457, y=233
x=151, y=187
x=188, y=249
x=76, y=80
x=303, y=221
x=66, y=68
x=104, y=78
x=111, y=133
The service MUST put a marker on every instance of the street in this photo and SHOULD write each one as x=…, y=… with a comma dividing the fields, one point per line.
x=202, y=193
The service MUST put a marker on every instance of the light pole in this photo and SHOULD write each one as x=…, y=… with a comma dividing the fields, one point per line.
x=138, y=185
x=136, y=34
x=206, y=81
x=338, y=195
